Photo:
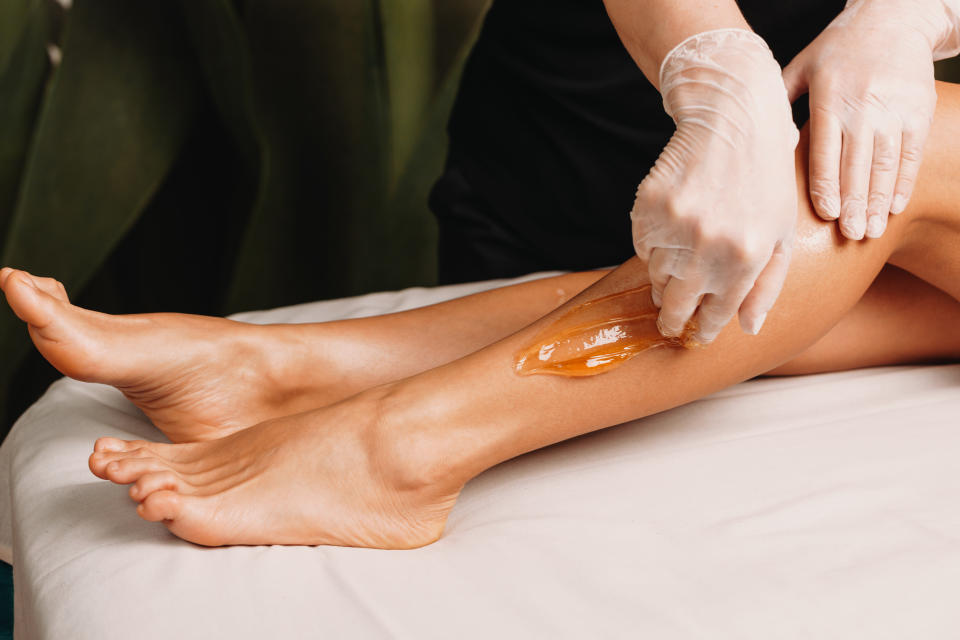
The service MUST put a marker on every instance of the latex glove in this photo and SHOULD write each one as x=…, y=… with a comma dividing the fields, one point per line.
x=715, y=217
x=872, y=98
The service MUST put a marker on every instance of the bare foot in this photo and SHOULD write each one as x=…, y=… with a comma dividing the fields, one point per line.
x=195, y=377
x=329, y=476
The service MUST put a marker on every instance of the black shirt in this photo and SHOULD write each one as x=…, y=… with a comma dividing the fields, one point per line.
x=553, y=128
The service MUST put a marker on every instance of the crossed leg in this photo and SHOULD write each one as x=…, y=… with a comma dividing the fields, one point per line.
x=199, y=378
x=383, y=467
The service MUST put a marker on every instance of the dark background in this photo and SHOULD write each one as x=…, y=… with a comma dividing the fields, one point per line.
x=215, y=156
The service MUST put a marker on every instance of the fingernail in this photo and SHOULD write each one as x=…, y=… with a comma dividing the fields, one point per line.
x=657, y=298
x=703, y=339
x=899, y=204
x=875, y=226
x=853, y=227
x=753, y=328
x=664, y=331
x=830, y=207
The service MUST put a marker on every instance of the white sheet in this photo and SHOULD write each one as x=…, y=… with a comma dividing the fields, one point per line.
x=815, y=507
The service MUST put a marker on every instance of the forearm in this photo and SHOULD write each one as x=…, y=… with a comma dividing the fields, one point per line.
x=649, y=29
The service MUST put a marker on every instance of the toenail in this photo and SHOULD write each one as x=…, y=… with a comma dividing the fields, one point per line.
x=113, y=467
x=106, y=445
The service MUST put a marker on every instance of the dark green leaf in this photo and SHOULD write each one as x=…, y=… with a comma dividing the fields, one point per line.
x=113, y=120
x=224, y=54
x=320, y=104
x=408, y=39
x=13, y=18
x=21, y=88
x=406, y=230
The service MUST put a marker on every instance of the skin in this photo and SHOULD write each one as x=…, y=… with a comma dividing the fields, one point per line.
x=384, y=466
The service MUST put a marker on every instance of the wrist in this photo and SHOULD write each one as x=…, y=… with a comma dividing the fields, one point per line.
x=936, y=22
x=707, y=46
x=727, y=81
x=947, y=44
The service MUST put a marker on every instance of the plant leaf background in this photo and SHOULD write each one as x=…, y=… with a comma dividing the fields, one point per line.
x=213, y=156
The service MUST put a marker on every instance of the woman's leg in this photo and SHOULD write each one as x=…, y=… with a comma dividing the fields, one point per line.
x=900, y=320
x=199, y=378
x=384, y=467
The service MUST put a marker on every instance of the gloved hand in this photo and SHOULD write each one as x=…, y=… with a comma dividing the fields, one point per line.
x=715, y=217
x=872, y=98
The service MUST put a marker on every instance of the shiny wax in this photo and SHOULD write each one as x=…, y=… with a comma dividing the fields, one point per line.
x=599, y=335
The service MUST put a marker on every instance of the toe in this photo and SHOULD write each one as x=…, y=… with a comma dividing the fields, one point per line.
x=99, y=460
x=52, y=287
x=95, y=465
x=191, y=518
x=27, y=301
x=11, y=276
x=142, y=448
x=160, y=481
x=115, y=444
x=161, y=505
x=129, y=470
x=108, y=451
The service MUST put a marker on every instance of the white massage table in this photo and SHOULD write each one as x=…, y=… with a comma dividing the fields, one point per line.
x=813, y=507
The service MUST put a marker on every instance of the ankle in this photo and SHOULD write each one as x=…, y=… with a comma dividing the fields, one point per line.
x=296, y=372
x=417, y=447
